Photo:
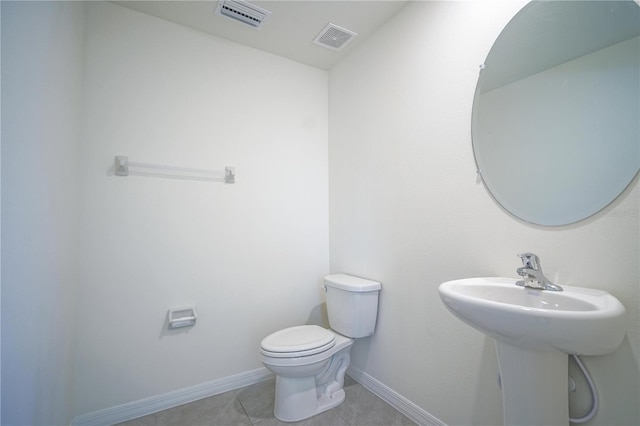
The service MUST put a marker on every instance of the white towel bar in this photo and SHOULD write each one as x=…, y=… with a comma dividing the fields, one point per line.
x=124, y=167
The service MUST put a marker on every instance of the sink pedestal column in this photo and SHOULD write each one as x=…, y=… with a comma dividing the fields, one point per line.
x=534, y=386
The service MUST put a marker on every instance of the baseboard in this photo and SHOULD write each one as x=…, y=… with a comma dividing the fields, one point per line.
x=394, y=399
x=146, y=406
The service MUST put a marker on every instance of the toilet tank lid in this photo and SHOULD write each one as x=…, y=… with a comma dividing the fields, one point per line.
x=351, y=283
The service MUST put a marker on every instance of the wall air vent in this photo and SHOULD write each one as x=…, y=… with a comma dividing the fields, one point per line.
x=243, y=11
x=334, y=37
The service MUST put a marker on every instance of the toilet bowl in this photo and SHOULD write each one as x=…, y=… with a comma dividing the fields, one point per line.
x=310, y=361
x=308, y=381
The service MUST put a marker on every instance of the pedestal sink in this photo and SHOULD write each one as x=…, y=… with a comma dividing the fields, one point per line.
x=534, y=331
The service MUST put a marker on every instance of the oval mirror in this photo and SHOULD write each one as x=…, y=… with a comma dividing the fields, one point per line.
x=556, y=114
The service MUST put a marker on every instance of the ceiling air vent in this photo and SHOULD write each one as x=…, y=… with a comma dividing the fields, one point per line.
x=334, y=37
x=243, y=11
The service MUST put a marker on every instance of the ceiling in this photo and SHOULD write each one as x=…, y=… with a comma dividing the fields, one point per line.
x=289, y=30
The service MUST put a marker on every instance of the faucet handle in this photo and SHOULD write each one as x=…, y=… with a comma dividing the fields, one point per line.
x=530, y=260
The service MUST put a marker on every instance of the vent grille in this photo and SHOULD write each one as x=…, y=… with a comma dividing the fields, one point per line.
x=243, y=11
x=334, y=37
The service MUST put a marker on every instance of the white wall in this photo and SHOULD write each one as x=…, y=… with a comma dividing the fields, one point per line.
x=161, y=93
x=406, y=209
x=41, y=94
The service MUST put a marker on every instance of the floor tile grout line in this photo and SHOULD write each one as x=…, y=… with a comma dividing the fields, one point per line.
x=244, y=409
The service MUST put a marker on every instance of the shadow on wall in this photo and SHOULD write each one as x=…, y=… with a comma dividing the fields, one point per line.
x=613, y=406
x=318, y=316
x=488, y=399
x=614, y=387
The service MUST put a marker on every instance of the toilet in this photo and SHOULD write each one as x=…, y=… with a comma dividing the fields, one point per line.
x=310, y=361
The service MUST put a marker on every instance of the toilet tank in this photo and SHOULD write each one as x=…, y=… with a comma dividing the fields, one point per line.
x=352, y=304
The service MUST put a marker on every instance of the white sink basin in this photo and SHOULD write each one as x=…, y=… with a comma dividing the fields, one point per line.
x=577, y=320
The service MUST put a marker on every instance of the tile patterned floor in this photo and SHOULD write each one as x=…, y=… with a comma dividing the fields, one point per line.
x=253, y=405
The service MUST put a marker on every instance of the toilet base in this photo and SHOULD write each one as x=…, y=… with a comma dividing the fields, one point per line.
x=309, y=385
x=298, y=398
x=302, y=401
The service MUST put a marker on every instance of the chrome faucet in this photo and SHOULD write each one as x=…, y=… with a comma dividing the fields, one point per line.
x=533, y=277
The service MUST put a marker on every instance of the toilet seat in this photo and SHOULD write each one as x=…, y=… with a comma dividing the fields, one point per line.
x=304, y=340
